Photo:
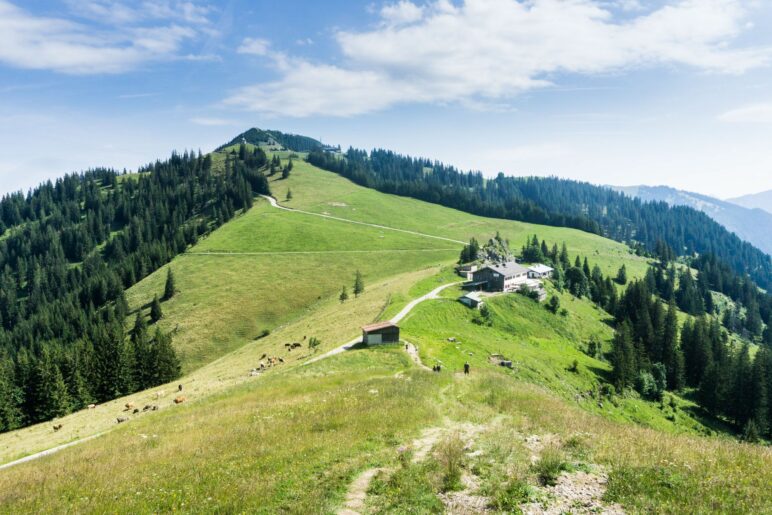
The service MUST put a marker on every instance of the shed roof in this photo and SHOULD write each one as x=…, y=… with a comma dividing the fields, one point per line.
x=377, y=326
x=474, y=295
x=540, y=268
x=508, y=269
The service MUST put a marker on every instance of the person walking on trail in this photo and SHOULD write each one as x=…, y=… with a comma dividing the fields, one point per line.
x=466, y=368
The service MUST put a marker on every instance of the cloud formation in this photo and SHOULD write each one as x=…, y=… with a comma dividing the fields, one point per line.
x=756, y=113
x=124, y=38
x=489, y=51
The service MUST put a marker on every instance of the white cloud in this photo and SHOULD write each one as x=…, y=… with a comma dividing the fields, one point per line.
x=212, y=122
x=254, y=46
x=47, y=43
x=488, y=51
x=401, y=13
x=118, y=12
x=757, y=113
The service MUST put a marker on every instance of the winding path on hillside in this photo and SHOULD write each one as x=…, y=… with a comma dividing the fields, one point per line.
x=276, y=204
x=395, y=319
x=47, y=452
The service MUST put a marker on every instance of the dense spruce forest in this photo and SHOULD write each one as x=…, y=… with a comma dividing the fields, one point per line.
x=294, y=142
x=69, y=249
x=551, y=201
x=651, y=354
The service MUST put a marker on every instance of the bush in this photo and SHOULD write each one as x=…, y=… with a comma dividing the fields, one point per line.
x=450, y=455
x=509, y=498
x=554, y=304
x=549, y=466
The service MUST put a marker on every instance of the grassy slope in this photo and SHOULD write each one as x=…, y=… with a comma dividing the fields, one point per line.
x=292, y=443
x=261, y=281
x=325, y=192
x=542, y=347
x=292, y=439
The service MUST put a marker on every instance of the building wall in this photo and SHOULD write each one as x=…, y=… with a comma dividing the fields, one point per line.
x=387, y=335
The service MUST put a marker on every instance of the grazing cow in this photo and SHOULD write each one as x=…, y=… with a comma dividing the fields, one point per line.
x=57, y=427
x=263, y=356
x=129, y=406
x=281, y=360
x=179, y=388
x=136, y=410
x=147, y=407
x=91, y=406
x=159, y=394
x=154, y=408
x=121, y=420
x=179, y=399
x=296, y=345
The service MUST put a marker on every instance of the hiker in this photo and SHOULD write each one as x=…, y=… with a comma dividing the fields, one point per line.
x=439, y=367
x=406, y=347
x=466, y=368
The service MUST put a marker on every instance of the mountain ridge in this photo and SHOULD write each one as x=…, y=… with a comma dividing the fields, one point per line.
x=751, y=224
x=761, y=200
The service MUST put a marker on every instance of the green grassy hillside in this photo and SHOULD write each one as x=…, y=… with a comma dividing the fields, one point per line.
x=265, y=267
x=294, y=438
x=319, y=191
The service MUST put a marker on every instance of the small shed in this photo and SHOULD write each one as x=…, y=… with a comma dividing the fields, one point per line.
x=381, y=332
x=540, y=271
x=472, y=299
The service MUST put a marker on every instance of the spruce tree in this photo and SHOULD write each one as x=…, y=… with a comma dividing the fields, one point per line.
x=623, y=357
x=343, y=297
x=155, y=310
x=359, y=284
x=672, y=356
x=169, y=288
x=167, y=365
x=621, y=277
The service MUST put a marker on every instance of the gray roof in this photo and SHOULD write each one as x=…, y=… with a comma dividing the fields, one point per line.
x=508, y=269
x=540, y=268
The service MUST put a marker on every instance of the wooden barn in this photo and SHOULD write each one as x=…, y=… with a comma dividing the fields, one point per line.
x=382, y=332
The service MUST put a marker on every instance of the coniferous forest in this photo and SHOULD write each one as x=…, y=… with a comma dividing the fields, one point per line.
x=552, y=201
x=69, y=249
x=653, y=353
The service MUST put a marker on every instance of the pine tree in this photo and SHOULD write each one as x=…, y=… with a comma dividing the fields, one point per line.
x=169, y=288
x=672, y=356
x=289, y=195
x=359, y=284
x=621, y=277
x=167, y=365
x=623, y=357
x=343, y=295
x=155, y=310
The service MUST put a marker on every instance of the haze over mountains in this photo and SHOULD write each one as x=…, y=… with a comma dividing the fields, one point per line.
x=744, y=216
x=762, y=200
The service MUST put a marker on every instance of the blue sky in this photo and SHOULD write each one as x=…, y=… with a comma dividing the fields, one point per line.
x=609, y=91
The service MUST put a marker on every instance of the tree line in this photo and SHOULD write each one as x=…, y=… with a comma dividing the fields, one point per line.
x=551, y=201
x=70, y=248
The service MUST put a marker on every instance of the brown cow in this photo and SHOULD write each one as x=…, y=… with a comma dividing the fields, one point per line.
x=129, y=406
x=180, y=399
x=57, y=427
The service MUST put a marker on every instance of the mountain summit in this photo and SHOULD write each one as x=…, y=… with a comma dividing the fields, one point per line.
x=762, y=200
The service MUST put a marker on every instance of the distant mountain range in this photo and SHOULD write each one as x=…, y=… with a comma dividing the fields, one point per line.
x=761, y=200
x=744, y=216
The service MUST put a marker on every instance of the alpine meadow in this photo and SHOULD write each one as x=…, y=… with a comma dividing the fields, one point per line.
x=559, y=316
